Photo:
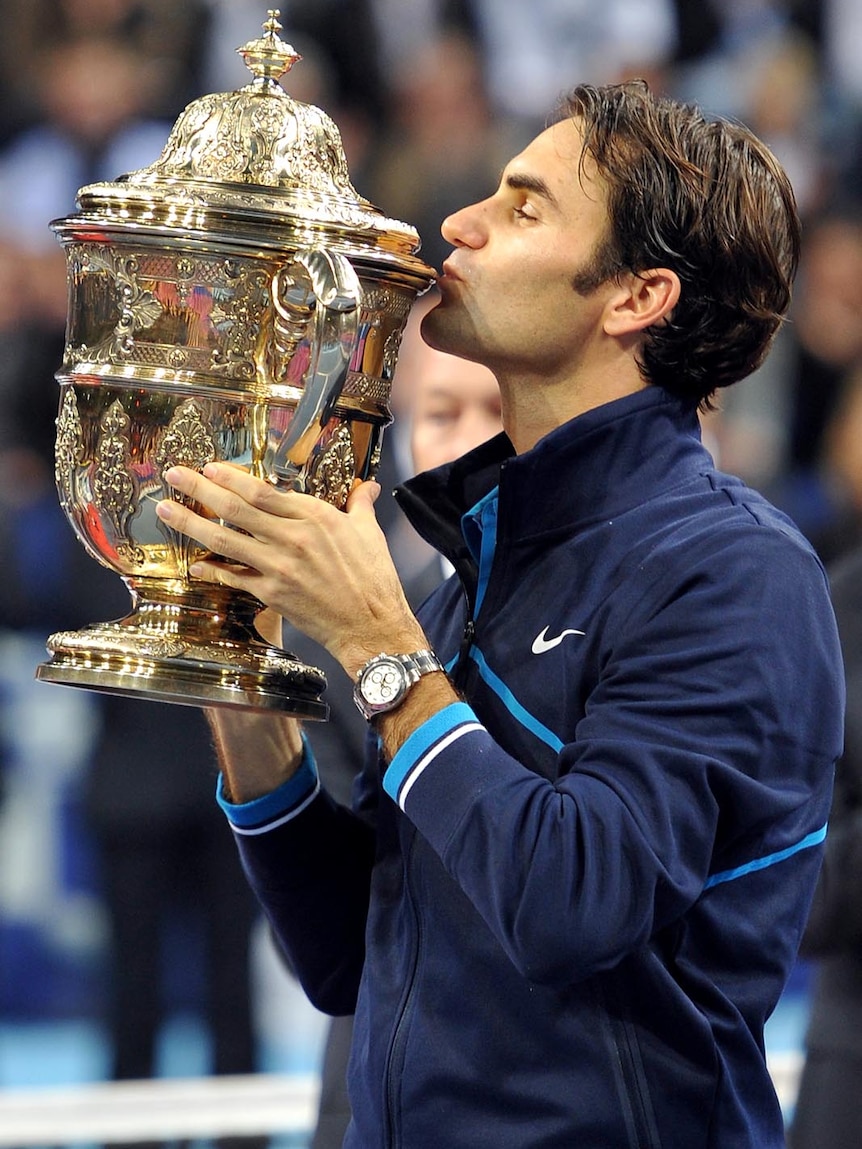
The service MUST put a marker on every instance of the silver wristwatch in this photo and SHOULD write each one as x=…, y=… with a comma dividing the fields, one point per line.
x=384, y=680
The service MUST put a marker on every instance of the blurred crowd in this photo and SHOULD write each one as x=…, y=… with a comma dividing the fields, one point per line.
x=432, y=97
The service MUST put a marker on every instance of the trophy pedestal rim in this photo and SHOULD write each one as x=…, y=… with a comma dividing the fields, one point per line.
x=169, y=649
x=158, y=682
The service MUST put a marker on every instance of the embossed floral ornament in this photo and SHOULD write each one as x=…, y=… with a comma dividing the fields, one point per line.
x=187, y=442
x=138, y=308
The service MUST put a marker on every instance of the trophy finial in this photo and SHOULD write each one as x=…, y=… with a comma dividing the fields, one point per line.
x=269, y=58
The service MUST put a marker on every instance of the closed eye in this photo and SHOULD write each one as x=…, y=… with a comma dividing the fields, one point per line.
x=531, y=188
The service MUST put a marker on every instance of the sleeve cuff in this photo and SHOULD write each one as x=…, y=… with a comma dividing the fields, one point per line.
x=423, y=746
x=279, y=806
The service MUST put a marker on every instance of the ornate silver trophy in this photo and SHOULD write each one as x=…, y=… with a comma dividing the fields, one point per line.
x=236, y=300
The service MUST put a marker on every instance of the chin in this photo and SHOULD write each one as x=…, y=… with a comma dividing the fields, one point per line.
x=443, y=329
x=433, y=328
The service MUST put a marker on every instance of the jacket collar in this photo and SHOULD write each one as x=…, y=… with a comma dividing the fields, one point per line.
x=595, y=466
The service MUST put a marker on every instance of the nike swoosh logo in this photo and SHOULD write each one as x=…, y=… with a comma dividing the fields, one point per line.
x=542, y=644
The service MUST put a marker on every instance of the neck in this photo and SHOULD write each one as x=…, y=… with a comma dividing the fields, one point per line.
x=534, y=408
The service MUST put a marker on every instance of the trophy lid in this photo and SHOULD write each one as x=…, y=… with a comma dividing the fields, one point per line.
x=254, y=164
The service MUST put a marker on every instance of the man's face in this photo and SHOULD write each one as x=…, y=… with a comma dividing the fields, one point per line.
x=455, y=407
x=509, y=295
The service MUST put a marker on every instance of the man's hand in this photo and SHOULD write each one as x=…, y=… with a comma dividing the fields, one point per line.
x=328, y=571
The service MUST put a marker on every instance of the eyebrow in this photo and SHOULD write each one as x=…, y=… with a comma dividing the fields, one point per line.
x=522, y=181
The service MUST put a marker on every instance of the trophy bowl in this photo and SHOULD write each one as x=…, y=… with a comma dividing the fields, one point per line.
x=237, y=300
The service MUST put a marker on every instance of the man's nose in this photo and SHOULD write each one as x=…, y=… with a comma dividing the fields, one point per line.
x=464, y=227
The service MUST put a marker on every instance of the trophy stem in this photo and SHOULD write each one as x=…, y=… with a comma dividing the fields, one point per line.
x=189, y=643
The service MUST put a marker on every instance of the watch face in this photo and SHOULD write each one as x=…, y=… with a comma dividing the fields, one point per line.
x=383, y=683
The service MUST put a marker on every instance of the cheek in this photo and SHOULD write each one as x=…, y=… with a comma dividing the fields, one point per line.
x=429, y=448
x=492, y=425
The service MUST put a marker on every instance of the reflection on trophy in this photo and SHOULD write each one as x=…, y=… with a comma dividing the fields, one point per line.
x=236, y=300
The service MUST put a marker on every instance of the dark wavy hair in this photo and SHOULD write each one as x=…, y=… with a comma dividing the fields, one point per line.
x=707, y=199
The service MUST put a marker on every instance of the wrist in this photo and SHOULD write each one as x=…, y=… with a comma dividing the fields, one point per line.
x=255, y=815
x=257, y=750
x=431, y=695
x=353, y=655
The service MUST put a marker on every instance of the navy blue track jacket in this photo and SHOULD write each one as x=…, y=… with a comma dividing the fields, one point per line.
x=567, y=908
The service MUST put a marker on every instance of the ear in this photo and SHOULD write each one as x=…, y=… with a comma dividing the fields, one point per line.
x=644, y=299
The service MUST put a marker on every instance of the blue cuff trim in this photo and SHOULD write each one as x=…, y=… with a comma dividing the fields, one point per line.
x=423, y=739
x=279, y=805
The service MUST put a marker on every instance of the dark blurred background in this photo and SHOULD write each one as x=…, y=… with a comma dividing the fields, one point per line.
x=101, y=798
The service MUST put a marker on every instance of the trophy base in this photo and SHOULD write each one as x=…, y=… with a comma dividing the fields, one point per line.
x=194, y=653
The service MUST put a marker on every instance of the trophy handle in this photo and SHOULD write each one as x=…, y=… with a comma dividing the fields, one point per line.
x=322, y=283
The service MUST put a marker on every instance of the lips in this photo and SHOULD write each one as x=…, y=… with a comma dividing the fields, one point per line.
x=449, y=276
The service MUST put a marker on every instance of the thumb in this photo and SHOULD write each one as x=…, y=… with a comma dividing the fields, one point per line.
x=363, y=496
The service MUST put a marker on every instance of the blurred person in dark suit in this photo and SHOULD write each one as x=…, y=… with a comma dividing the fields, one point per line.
x=171, y=883
x=825, y=498
x=825, y=322
x=828, y=1111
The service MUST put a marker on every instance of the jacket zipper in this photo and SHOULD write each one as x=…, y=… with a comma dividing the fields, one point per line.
x=395, y=1058
x=394, y=1061
x=633, y=1090
x=459, y=673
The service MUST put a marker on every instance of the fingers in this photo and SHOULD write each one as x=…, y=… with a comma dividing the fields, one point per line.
x=229, y=491
x=233, y=499
x=242, y=578
x=239, y=498
x=329, y=572
x=268, y=626
x=259, y=537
